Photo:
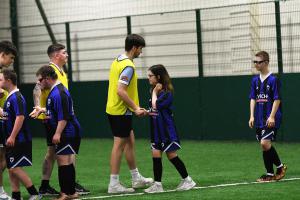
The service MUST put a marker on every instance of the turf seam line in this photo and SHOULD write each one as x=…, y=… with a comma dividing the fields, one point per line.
x=195, y=188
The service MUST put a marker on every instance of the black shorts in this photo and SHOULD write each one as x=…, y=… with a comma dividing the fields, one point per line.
x=166, y=147
x=266, y=134
x=68, y=146
x=121, y=125
x=19, y=155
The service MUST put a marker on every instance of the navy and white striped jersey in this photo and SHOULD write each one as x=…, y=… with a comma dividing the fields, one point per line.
x=163, y=129
x=15, y=105
x=265, y=93
x=59, y=106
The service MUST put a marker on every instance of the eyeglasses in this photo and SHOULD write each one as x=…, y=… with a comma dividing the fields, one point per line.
x=41, y=79
x=150, y=75
x=258, y=62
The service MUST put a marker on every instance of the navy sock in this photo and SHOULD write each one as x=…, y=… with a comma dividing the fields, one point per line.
x=157, y=169
x=268, y=161
x=179, y=165
x=32, y=190
x=275, y=157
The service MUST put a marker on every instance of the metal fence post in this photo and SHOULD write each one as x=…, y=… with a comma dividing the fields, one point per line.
x=199, y=43
x=128, y=20
x=69, y=50
x=15, y=35
x=278, y=37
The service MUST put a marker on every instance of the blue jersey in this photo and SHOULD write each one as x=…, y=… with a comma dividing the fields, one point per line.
x=265, y=93
x=59, y=106
x=163, y=129
x=15, y=105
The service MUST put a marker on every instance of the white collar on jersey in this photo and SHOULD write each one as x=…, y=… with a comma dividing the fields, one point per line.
x=15, y=90
x=122, y=57
x=59, y=69
x=262, y=79
x=55, y=84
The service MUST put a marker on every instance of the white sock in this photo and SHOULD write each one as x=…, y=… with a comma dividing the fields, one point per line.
x=1, y=189
x=135, y=174
x=188, y=178
x=281, y=165
x=114, y=179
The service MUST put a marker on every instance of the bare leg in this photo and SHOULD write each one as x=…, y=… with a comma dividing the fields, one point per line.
x=116, y=154
x=48, y=163
x=130, y=151
x=14, y=182
x=2, y=165
x=21, y=175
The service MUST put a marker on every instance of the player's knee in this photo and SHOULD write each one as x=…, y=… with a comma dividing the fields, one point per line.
x=50, y=157
x=12, y=171
x=265, y=146
x=171, y=155
x=2, y=166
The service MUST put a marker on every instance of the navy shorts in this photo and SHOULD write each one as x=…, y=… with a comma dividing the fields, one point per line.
x=166, y=147
x=68, y=146
x=121, y=125
x=266, y=134
x=19, y=155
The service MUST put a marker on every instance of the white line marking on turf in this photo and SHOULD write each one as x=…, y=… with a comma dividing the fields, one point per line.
x=195, y=188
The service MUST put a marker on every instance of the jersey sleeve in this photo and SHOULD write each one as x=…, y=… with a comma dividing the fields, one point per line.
x=126, y=75
x=61, y=105
x=19, y=105
x=164, y=100
x=276, y=89
x=252, y=90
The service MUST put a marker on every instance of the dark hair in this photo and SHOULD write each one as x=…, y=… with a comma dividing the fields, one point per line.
x=47, y=71
x=164, y=78
x=134, y=40
x=11, y=75
x=264, y=55
x=7, y=47
x=54, y=48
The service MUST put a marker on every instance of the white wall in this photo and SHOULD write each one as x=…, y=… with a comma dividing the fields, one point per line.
x=230, y=35
x=75, y=10
x=5, y=33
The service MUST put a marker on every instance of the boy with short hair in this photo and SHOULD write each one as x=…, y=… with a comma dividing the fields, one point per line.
x=266, y=114
x=18, y=138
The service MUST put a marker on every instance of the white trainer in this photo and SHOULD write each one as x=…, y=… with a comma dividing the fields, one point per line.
x=186, y=184
x=141, y=182
x=35, y=197
x=4, y=196
x=119, y=188
x=156, y=187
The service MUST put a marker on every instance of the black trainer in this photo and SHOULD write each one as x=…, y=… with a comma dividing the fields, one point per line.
x=48, y=191
x=81, y=190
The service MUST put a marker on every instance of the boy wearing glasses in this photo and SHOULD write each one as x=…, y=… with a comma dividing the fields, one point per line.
x=265, y=115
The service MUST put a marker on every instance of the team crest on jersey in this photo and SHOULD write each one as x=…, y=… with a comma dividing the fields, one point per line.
x=11, y=159
x=268, y=87
x=49, y=101
x=8, y=104
x=124, y=78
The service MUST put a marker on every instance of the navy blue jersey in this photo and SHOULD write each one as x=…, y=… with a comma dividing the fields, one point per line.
x=162, y=127
x=59, y=106
x=15, y=105
x=265, y=93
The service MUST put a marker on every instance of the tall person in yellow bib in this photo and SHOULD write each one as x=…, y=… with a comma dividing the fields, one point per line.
x=58, y=58
x=8, y=52
x=122, y=102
